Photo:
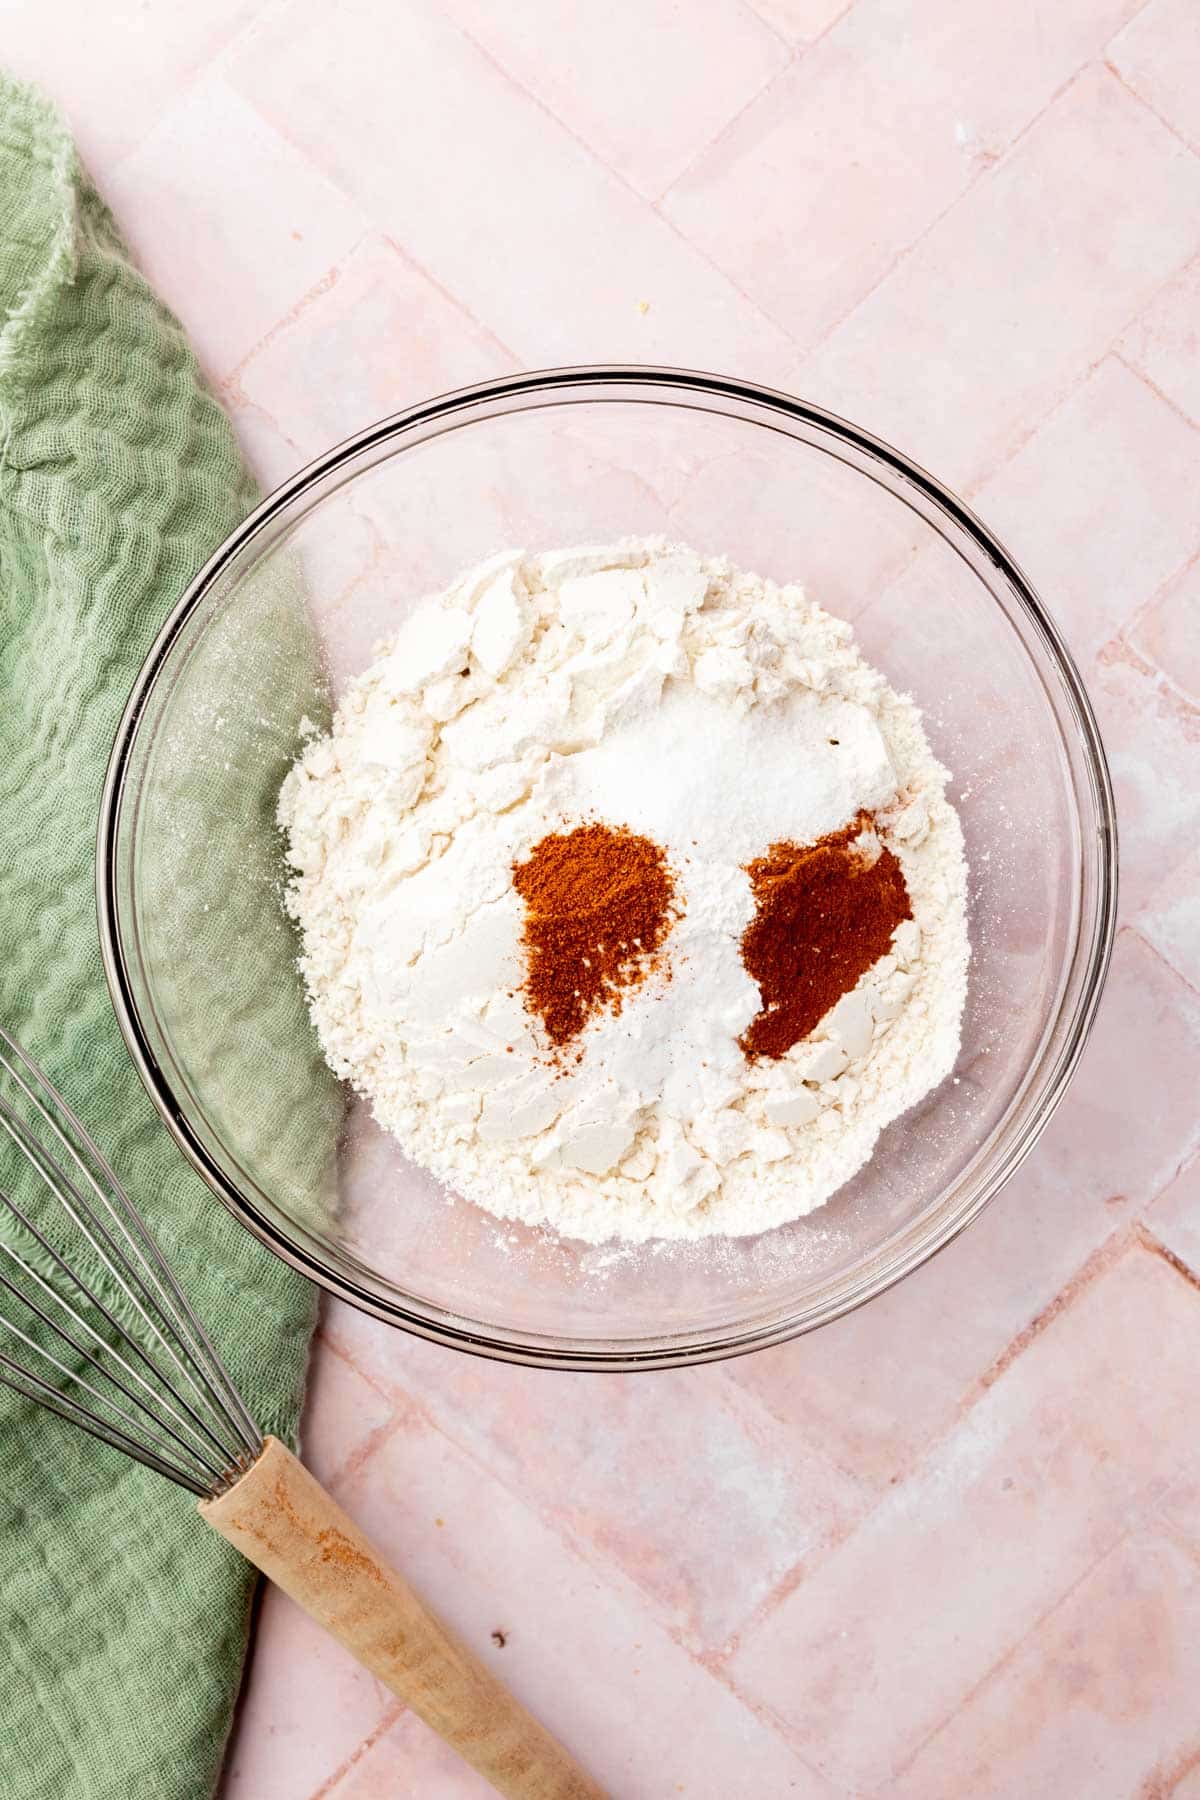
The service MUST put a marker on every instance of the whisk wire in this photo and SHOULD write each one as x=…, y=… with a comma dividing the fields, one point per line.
x=60, y=1186
x=158, y=1280
x=70, y=1375
x=32, y=1387
x=151, y=1283
x=39, y=1281
x=145, y=1343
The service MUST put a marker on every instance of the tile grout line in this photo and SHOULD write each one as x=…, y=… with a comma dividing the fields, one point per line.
x=975, y=181
x=1190, y=260
x=266, y=15
x=321, y=1335
x=1111, y=1251
x=832, y=25
x=236, y=407
x=750, y=7
x=785, y=1587
x=230, y=384
x=764, y=1713
x=1075, y=383
x=1107, y=1254
x=1024, y=435
x=406, y=256
x=1148, y=381
x=1124, y=1241
x=1151, y=1242
x=1183, y=1540
x=209, y=67
x=1138, y=10
x=1166, y=124
x=1164, y=1779
x=1080, y=380
x=1178, y=1771
x=372, y=228
x=1143, y=1234
x=1120, y=651
x=794, y=56
x=1121, y=1539
x=358, y=1458
x=1181, y=701
x=391, y=1714
x=518, y=87
x=1192, y=989
x=748, y=1406
x=1126, y=630
x=611, y=1573
x=621, y=180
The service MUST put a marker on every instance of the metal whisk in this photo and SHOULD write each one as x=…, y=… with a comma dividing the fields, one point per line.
x=95, y=1327
x=159, y=1394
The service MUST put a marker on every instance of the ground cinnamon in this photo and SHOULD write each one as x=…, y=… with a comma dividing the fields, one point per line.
x=599, y=901
x=824, y=913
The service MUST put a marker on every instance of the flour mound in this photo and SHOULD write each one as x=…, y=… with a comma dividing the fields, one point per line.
x=646, y=687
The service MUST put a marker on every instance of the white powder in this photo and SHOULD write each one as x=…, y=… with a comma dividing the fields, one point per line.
x=716, y=713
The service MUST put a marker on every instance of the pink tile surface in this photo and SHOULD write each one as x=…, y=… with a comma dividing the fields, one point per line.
x=1095, y=1696
x=406, y=1762
x=1166, y=635
x=1158, y=54
x=344, y=1414
x=718, y=1458
x=643, y=88
x=950, y=1546
x=266, y=450
x=198, y=220
x=1164, y=342
x=376, y=335
x=1018, y=289
x=305, y=1708
x=1153, y=744
x=959, y=1563
x=1175, y=1217
x=801, y=21
x=1112, y=452
x=877, y=131
x=1171, y=917
x=522, y=223
x=580, y=1647
x=114, y=69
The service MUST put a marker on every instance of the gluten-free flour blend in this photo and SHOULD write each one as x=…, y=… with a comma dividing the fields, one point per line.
x=629, y=894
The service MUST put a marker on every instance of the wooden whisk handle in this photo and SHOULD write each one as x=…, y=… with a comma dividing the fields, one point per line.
x=282, y=1519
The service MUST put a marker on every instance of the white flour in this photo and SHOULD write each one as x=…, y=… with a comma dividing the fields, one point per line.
x=717, y=714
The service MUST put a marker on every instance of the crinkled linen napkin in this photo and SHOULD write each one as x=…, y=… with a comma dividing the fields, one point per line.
x=123, y=1618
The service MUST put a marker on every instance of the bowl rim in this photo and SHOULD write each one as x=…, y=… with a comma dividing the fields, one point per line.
x=527, y=386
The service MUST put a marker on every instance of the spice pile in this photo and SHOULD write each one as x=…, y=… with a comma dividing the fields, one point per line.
x=824, y=914
x=629, y=894
x=598, y=906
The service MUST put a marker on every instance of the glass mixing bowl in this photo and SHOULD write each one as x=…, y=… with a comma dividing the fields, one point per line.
x=201, y=961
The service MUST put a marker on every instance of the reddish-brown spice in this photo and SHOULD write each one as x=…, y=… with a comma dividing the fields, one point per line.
x=599, y=901
x=823, y=914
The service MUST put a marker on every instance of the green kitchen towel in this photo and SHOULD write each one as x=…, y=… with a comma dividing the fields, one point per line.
x=123, y=1619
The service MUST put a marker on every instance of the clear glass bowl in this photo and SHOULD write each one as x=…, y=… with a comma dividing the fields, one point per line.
x=199, y=958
